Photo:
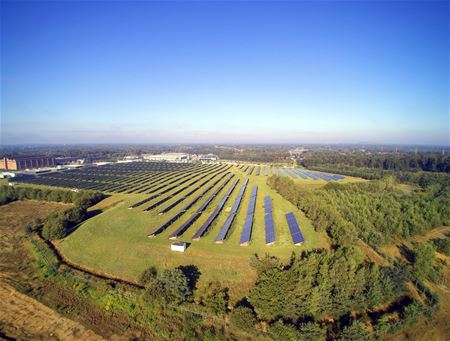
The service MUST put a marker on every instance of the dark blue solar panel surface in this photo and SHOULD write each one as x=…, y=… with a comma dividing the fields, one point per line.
x=188, y=206
x=268, y=218
x=247, y=231
x=216, y=212
x=297, y=236
x=226, y=226
x=199, y=211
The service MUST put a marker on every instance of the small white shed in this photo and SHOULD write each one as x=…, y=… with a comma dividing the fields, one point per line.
x=178, y=246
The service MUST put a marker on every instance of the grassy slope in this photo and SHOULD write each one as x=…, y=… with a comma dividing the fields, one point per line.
x=115, y=242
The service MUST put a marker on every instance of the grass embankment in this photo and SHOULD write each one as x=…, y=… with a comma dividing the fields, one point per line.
x=116, y=242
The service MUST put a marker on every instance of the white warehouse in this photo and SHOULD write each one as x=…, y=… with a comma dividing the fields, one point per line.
x=171, y=157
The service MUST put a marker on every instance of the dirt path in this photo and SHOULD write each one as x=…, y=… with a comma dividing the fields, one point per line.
x=24, y=318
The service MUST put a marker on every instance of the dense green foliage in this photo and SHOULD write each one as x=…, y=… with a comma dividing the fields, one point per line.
x=443, y=245
x=171, y=286
x=428, y=162
x=58, y=225
x=79, y=198
x=424, y=263
x=375, y=211
x=305, y=332
x=243, y=318
x=330, y=283
x=216, y=298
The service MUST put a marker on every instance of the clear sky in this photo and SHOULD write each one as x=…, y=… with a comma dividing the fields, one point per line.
x=148, y=72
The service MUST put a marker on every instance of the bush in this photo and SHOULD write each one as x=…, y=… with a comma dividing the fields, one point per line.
x=243, y=318
x=282, y=331
x=216, y=298
x=171, y=286
x=148, y=276
x=443, y=245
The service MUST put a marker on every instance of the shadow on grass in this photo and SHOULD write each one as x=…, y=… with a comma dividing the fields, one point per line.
x=192, y=273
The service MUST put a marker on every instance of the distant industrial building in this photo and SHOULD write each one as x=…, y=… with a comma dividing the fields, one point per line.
x=170, y=157
x=208, y=157
x=26, y=162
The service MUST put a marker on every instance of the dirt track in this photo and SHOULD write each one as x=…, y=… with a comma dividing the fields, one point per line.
x=24, y=318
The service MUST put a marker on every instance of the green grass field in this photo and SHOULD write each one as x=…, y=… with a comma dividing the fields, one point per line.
x=115, y=242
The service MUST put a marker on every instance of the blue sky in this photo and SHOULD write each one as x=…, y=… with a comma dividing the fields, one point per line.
x=146, y=72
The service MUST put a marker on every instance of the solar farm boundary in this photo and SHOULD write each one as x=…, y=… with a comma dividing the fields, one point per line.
x=202, y=230
x=176, y=216
x=199, y=211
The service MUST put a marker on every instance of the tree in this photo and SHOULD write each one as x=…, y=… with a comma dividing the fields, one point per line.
x=423, y=260
x=171, y=286
x=216, y=298
x=357, y=331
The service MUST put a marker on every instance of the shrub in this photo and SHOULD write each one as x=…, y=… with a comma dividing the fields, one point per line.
x=148, y=276
x=216, y=298
x=243, y=318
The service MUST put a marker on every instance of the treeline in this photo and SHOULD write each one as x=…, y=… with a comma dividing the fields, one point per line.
x=326, y=295
x=422, y=179
x=56, y=225
x=375, y=211
x=427, y=162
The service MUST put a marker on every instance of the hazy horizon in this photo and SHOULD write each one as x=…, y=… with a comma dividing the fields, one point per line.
x=225, y=72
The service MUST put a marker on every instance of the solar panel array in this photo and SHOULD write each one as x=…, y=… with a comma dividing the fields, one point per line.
x=290, y=173
x=258, y=171
x=226, y=226
x=266, y=173
x=247, y=230
x=274, y=171
x=199, y=212
x=268, y=218
x=201, y=231
x=282, y=173
x=172, y=219
x=252, y=168
x=297, y=236
x=181, y=189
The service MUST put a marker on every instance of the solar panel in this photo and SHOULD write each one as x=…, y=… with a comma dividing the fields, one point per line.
x=226, y=226
x=268, y=219
x=297, y=236
x=216, y=212
x=290, y=173
x=266, y=173
x=282, y=173
x=184, y=209
x=247, y=231
x=199, y=211
x=299, y=172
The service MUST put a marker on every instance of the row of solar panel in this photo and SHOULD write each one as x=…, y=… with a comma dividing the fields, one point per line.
x=199, y=211
x=139, y=203
x=247, y=230
x=268, y=219
x=201, y=231
x=226, y=226
x=172, y=219
x=181, y=189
